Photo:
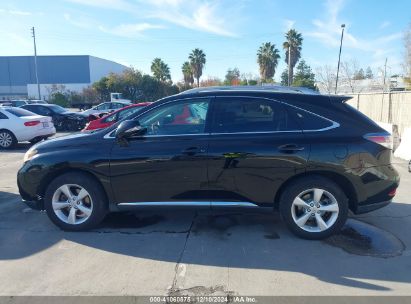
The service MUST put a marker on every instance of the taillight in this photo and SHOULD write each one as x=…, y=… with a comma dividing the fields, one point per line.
x=392, y=192
x=32, y=123
x=383, y=139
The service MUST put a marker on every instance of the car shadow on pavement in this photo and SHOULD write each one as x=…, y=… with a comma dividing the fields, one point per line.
x=19, y=148
x=247, y=239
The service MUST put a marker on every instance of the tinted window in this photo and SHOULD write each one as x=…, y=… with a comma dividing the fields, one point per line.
x=102, y=107
x=186, y=117
x=3, y=116
x=18, y=103
x=55, y=108
x=310, y=121
x=243, y=114
x=116, y=105
x=19, y=112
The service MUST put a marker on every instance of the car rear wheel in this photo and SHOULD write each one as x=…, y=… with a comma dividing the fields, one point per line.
x=75, y=202
x=314, y=207
x=7, y=139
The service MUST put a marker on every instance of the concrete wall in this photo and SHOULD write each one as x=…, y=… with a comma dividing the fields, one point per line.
x=392, y=107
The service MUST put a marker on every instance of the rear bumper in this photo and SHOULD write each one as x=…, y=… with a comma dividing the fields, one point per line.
x=370, y=207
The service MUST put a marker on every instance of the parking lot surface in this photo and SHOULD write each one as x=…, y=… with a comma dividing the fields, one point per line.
x=200, y=252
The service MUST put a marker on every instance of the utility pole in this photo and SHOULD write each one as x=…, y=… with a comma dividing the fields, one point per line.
x=33, y=34
x=289, y=65
x=383, y=88
x=339, y=57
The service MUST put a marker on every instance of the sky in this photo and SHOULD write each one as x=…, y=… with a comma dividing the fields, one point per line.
x=134, y=32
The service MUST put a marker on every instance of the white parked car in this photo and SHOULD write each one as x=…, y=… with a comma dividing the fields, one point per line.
x=19, y=125
x=106, y=107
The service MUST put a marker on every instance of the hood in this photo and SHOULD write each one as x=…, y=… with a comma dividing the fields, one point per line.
x=74, y=140
x=74, y=114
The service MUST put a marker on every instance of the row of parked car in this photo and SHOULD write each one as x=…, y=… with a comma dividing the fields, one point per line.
x=35, y=121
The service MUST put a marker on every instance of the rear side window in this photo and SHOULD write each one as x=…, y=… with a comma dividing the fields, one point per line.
x=310, y=121
x=248, y=114
x=19, y=112
x=3, y=116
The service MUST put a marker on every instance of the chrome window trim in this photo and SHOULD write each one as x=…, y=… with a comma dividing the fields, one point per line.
x=334, y=124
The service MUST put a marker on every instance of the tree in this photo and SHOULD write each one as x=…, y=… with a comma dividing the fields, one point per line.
x=197, y=61
x=349, y=71
x=102, y=89
x=326, y=78
x=232, y=77
x=135, y=86
x=304, y=77
x=211, y=82
x=284, y=78
x=188, y=74
x=160, y=70
x=292, y=47
x=368, y=73
x=267, y=59
x=359, y=75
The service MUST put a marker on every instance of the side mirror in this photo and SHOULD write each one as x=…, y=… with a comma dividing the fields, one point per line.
x=129, y=128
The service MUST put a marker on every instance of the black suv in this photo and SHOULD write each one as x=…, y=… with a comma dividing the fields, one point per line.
x=311, y=156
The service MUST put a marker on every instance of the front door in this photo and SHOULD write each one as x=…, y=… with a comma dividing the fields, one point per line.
x=255, y=145
x=168, y=164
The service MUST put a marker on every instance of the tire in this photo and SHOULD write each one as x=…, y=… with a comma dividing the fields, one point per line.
x=88, y=211
x=7, y=139
x=36, y=140
x=302, y=211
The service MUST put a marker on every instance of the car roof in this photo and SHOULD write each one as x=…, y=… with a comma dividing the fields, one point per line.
x=299, y=93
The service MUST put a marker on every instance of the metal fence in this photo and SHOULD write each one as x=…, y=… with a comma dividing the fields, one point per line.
x=389, y=107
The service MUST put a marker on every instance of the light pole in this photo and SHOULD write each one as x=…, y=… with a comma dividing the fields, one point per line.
x=33, y=33
x=339, y=57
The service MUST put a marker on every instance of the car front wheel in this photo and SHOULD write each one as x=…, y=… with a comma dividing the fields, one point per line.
x=75, y=202
x=314, y=207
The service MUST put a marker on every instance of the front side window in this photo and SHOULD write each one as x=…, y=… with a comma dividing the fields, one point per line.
x=184, y=117
x=246, y=114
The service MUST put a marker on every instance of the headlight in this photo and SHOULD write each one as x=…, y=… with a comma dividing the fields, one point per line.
x=29, y=154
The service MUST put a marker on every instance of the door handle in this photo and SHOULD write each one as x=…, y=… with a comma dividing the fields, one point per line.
x=193, y=151
x=290, y=148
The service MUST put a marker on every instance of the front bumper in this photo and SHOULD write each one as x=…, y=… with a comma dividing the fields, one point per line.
x=36, y=205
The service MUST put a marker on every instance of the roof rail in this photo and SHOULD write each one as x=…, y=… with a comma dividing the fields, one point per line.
x=266, y=88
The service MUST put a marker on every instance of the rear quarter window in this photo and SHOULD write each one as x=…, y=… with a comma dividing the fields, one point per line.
x=3, y=116
x=310, y=121
x=20, y=112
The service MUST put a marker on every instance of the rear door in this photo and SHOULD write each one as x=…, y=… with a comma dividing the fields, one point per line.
x=255, y=145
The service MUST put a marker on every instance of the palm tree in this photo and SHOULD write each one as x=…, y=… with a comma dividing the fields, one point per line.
x=267, y=58
x=160, y=70
x=292, y=45
x=197, y=61
x=187, y=73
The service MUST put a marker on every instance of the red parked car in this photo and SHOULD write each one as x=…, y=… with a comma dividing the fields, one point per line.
x=112, y=118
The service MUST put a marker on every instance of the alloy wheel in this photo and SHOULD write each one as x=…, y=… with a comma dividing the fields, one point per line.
x=72, y=204
x=6, y=139
x=315, y=210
